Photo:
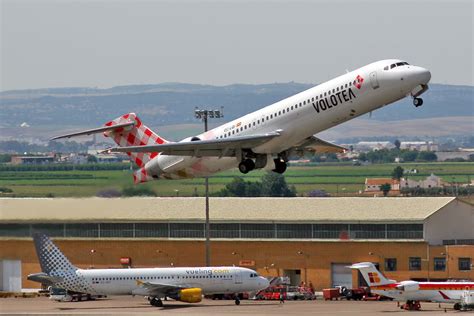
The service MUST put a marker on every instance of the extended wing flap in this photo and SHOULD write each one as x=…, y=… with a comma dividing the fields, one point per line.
x=203, y=148
x=317, y=145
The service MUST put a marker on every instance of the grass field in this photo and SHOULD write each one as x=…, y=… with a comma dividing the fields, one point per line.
x=335, y=179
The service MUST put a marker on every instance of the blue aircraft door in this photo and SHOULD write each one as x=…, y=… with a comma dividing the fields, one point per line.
x=373, y=80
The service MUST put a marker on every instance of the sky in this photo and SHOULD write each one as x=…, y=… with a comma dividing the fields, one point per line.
x=64, y=43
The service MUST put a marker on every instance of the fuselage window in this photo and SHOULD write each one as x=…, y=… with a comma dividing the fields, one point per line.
x=337, y=89
x=291, y=107
x=312, y=99
x=233, y=132
x=350, y=83
x=279, y=112
x=304, y=102
x=283, y=111
x=301, y=104
x=385, y=68
x=253, y=123
x=324, y=93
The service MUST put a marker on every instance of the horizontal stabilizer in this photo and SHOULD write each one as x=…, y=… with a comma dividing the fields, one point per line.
x=96, y=130
x=44, y=278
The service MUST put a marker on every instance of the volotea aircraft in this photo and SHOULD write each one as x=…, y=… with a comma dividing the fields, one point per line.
x=182, y=284
x=267, y=137
x=413, y=292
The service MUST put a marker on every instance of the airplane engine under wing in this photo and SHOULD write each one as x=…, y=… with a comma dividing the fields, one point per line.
x=192, y=295
x=408, y=286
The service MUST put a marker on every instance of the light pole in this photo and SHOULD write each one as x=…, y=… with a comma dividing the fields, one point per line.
x=204, y=115
x=301, y=253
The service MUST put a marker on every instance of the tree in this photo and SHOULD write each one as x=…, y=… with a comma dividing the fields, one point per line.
x=91, y=159
x=426, y=156
x=385, y=188
x=409, y=155
x=240, y=188
x=397, y=173
x=397, y=144
x=274, y=184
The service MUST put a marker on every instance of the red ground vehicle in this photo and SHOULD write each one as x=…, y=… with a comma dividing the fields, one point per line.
x=272, y=293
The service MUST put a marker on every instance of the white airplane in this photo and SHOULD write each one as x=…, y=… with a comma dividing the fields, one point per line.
x=267, y=137
x=412, y=292
x=182, y=284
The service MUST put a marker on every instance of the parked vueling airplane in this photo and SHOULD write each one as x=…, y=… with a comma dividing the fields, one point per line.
x=267, y=137
x=412, y=291
x=182, y=284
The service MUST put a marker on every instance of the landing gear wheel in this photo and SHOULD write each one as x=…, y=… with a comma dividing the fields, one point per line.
x=156, y=302
x=457, y=306
x=280, y=166
x=417, y=102
x=246, y=166
x=237, y=302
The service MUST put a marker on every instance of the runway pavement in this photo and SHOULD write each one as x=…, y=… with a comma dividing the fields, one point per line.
x=126, y=305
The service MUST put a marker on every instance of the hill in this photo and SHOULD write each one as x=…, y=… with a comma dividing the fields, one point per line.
x=173, y=103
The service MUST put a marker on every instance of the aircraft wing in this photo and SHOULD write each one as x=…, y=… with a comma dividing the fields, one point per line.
x=316, y=145
x=156, y=289
x=203, y=148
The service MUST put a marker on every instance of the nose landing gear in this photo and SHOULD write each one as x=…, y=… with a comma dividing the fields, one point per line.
x=417, y=102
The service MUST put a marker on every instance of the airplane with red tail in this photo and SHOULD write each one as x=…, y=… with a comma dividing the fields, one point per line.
x=413, y=292
x=265, y=139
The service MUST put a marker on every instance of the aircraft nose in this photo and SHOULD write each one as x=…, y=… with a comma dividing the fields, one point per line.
x=263, y=283
x=422, y=75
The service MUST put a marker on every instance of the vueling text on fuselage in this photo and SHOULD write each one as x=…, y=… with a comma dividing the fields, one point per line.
x=334, y=100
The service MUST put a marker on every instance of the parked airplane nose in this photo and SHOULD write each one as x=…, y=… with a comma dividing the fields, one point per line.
x=263, y=283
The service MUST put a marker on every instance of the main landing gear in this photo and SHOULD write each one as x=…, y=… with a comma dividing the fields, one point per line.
x=411, y=306
x=154, y=301
x=417, y=102
x=246, y=165
x=237, y=300
x=280, y=165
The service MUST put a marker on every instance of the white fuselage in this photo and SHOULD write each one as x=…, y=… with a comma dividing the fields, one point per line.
x=210, y=280
x=305, y=114
x=440, y=292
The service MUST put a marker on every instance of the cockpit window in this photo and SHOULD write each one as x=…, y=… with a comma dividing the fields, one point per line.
x=403, y=63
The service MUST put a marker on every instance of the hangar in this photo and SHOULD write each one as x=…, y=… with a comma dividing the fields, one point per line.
x=311, y=240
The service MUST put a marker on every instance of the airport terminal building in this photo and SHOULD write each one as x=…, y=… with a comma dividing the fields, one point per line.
x=311, y=240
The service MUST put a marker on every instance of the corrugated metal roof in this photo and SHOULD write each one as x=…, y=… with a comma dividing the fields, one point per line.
x=342, y=209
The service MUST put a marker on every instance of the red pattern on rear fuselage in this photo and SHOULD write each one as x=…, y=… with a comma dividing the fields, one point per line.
x=136, y=135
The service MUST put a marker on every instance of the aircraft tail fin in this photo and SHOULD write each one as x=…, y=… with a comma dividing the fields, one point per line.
x=50, y=257
x=136, y=134
x=372, y=276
